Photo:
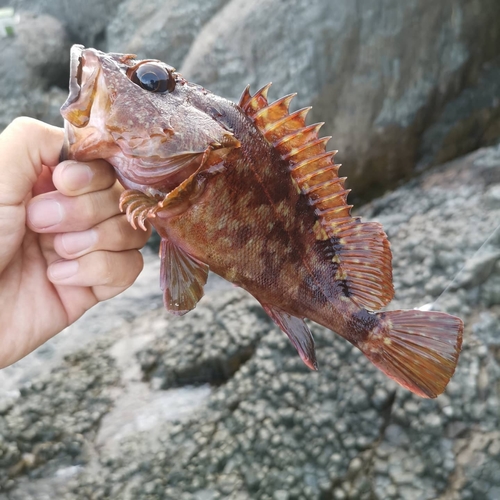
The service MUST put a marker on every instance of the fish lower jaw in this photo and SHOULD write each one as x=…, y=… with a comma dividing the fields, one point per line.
x=88, y=143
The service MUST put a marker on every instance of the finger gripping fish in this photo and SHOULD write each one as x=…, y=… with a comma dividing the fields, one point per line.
x=249, y=192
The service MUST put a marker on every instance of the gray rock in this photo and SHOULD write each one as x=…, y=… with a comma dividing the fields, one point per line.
x=163, y=30
x=272, y=425
x=374, y=75
x=32, y=61
x=209, y=345
x=48, y=422
x=478, y=269
x=492, y=196
x=84, y=21
x=466, y=123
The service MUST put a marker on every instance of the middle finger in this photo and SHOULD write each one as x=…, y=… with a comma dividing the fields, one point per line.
x=114, y=234
x=55, y=213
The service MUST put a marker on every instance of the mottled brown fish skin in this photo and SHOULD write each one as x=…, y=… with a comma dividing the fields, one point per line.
x=254, y=228
x=250, y=192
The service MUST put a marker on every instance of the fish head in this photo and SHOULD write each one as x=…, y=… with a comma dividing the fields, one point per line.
x=139, y=116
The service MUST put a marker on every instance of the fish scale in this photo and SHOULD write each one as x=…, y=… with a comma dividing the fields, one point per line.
x=250, y=192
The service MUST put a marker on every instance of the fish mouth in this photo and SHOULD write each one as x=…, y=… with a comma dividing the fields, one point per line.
x=75, y=75
x=84, y=69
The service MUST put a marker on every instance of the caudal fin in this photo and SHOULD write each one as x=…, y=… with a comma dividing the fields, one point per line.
x=418, y=349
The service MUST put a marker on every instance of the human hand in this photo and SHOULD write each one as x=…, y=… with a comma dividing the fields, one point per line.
x=64, y=246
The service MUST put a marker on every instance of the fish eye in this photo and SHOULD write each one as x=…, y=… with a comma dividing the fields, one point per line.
x=153, y=77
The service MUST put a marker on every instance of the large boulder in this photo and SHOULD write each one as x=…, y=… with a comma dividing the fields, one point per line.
x=122, y=419
x=33, y=60
x=85, y=21
x=379, y=73
x=162, y=29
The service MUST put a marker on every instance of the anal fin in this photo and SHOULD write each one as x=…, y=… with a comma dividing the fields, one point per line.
x=181, y=278
x=298, y=333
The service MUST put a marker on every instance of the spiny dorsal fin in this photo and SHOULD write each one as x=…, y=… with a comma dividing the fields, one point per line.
x=251, y=104
x=361, y=252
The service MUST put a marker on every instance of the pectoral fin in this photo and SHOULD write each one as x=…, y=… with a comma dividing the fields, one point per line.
x=298, y=333
x=181, y=278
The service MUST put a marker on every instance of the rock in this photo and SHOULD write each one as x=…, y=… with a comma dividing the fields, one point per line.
x=492, y=196
x=32, y=62
x=376, y=78
x=270, y=425
x=52, y=416
x=209, y=345
x=478, y=269
x=468, y=122
x=235, y=432
x=85, y=21
x=163, y=30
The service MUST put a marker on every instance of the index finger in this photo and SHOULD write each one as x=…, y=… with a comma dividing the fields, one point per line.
x=26, y=146
x=73, y=178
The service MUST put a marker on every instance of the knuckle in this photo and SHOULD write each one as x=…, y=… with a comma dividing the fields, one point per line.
x=93, y=208
x=136, y=264
x=124, y=231
x=122, y=269
x=110, y=267
x=24, y=122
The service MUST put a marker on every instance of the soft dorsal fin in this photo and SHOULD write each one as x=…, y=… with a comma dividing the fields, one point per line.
x=360, y=251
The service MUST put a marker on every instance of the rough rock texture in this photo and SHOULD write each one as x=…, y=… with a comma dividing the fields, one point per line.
x=85, y=21
x=217, y=340
x=50, y=419
x=467, y=122
x=32, y=62
x=273, y=429
x=159, y=29
x=378, y=73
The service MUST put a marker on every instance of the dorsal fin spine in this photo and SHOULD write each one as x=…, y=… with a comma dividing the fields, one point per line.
x=257, y=101
x=281, y=104
x=336, y=225
x=299, y=114
x=298, y=154
x=314, y=159
x=331, y=197
x=245, y=97
x=330, y=169
x=316, y=187
x=301, y=132
x=332, y=189
x=335, y=210
x=264, y=90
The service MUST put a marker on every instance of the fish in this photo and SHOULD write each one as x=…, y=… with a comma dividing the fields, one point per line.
x=250, y=192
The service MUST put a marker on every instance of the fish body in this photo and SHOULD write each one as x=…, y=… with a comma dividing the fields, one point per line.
x=249, y=192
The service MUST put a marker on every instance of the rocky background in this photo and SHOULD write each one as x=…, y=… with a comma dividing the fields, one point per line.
x=131, y=404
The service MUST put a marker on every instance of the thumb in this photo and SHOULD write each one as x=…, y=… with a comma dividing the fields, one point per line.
x=25, y=146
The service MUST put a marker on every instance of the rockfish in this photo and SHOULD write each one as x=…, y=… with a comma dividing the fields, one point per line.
x=249, y=192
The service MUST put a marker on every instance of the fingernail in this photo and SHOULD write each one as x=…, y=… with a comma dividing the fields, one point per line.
x=78, y=242
x=77, y=176
x=45, y=213
x=63, y=269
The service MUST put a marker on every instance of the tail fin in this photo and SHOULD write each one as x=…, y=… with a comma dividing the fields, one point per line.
x=418, y=349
